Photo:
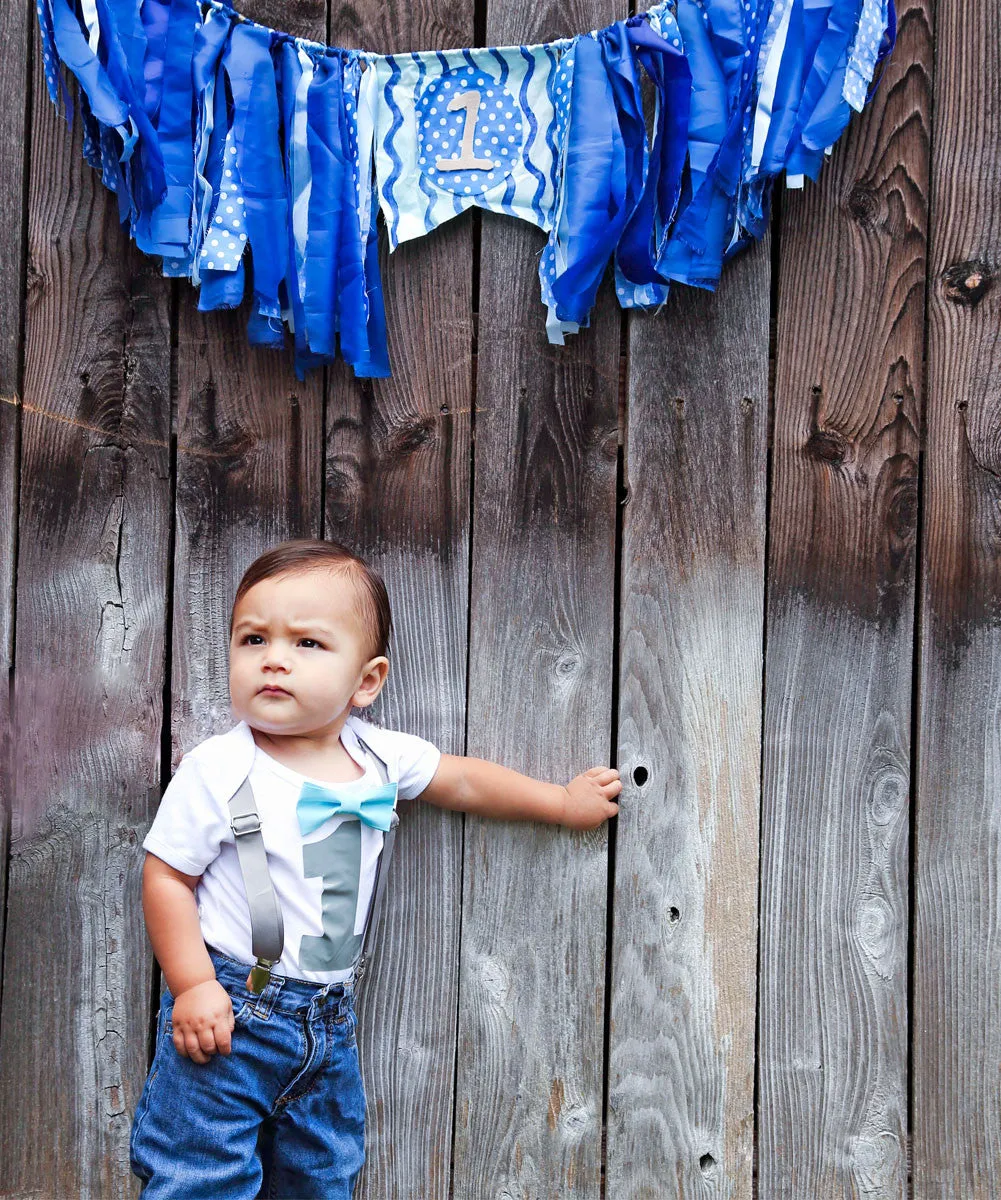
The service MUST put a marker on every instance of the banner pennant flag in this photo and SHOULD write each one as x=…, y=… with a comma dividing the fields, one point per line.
x=457, y=128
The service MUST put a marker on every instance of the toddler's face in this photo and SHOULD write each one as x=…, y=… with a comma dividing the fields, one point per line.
x=297, y=654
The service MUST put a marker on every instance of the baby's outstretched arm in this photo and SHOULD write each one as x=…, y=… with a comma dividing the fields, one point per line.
x=490, y=790
x=203, y=1012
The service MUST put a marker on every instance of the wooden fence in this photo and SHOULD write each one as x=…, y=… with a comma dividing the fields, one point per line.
x=747, y=550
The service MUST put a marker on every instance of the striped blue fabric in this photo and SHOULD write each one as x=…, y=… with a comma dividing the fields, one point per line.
x=459, y=128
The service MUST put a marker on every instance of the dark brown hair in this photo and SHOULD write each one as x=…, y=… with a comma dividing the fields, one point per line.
x=308, y=554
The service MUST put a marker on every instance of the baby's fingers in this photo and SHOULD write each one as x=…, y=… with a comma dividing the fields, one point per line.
x=199, y=1047
x=223, y=1032
x=186, y=1045
x=602, y=774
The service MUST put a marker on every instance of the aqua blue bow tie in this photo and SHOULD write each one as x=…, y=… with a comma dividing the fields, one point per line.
x=373, y=805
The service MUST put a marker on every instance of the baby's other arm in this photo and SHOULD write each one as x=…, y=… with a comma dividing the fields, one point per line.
x=488, y=789
x=203, y=1012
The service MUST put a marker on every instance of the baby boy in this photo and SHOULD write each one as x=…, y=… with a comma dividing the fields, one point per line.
x=257, y=1090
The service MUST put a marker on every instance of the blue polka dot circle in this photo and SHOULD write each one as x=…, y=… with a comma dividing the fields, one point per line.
x=470, y=131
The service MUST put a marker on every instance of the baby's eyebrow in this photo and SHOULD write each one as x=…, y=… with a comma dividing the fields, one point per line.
x=253, y=623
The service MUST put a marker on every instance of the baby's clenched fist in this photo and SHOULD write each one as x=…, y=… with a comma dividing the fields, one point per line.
x=203, y=1021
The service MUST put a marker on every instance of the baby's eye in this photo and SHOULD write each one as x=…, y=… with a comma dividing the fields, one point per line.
x=247, y=639
x=312, y=642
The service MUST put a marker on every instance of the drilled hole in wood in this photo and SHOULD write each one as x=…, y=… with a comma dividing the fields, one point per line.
x=640, y=775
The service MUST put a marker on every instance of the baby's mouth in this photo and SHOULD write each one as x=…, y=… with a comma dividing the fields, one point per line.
x=273, y=690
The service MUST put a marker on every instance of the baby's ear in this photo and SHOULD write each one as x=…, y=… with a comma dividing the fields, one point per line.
x=381, y=667
x=374, y=676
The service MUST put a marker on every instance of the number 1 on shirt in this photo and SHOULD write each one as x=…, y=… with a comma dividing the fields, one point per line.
x=337, y=859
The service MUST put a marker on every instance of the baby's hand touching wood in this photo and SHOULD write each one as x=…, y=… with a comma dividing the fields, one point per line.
x=589, y=798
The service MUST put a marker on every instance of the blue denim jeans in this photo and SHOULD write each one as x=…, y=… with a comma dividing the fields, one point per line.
x=283, y=1114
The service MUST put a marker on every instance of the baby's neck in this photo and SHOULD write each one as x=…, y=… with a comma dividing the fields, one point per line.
x=320, y=755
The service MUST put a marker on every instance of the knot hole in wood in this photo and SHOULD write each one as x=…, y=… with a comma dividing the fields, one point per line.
x=967, y=282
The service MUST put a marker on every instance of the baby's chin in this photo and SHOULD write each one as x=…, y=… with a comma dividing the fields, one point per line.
x=277, y=714
x=280, y=715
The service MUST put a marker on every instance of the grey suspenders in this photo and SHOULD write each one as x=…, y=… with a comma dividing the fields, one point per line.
x=267, y=930
x=266, y=926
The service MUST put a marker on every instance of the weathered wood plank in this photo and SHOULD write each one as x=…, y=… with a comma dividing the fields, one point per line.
x=532, y=982
x=93, y=535
x=397, y=488
x=957, y=1024
x=681, y=1067
x=249, y=463
x=14, y=111
x=837, y=743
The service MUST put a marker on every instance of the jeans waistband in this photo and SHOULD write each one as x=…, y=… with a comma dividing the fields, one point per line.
x=282, y=991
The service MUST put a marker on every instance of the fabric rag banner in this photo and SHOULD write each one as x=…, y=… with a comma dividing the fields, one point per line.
x=653, y=143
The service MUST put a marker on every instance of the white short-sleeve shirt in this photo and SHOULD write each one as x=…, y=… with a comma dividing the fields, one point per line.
x=323, y=880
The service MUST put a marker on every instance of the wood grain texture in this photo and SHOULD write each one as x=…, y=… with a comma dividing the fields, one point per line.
x=94, y=520
x=684, y=942
x=837, y=722
x=957, y=1023
x=397, y=489
x=15, y=25
x=532, y=985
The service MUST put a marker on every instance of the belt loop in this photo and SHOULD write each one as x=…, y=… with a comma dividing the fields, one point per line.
x=348, y=998
x=265, y=1002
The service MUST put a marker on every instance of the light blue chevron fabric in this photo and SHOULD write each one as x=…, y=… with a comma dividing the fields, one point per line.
x=458, y=128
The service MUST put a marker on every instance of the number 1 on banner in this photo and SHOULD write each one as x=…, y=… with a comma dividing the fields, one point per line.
x=467, y=160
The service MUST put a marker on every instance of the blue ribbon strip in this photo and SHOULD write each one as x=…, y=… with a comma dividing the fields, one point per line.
x=595, y=181
x=298, y=174
x=190, y=110
x=640, y=248
x=122, y=44
x=156, y=22
x=168, y=231
x=211, y=125
x=329, y=166
x=251, y=75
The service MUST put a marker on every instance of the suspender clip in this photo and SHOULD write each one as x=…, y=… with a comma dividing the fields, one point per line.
x=260, y=975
